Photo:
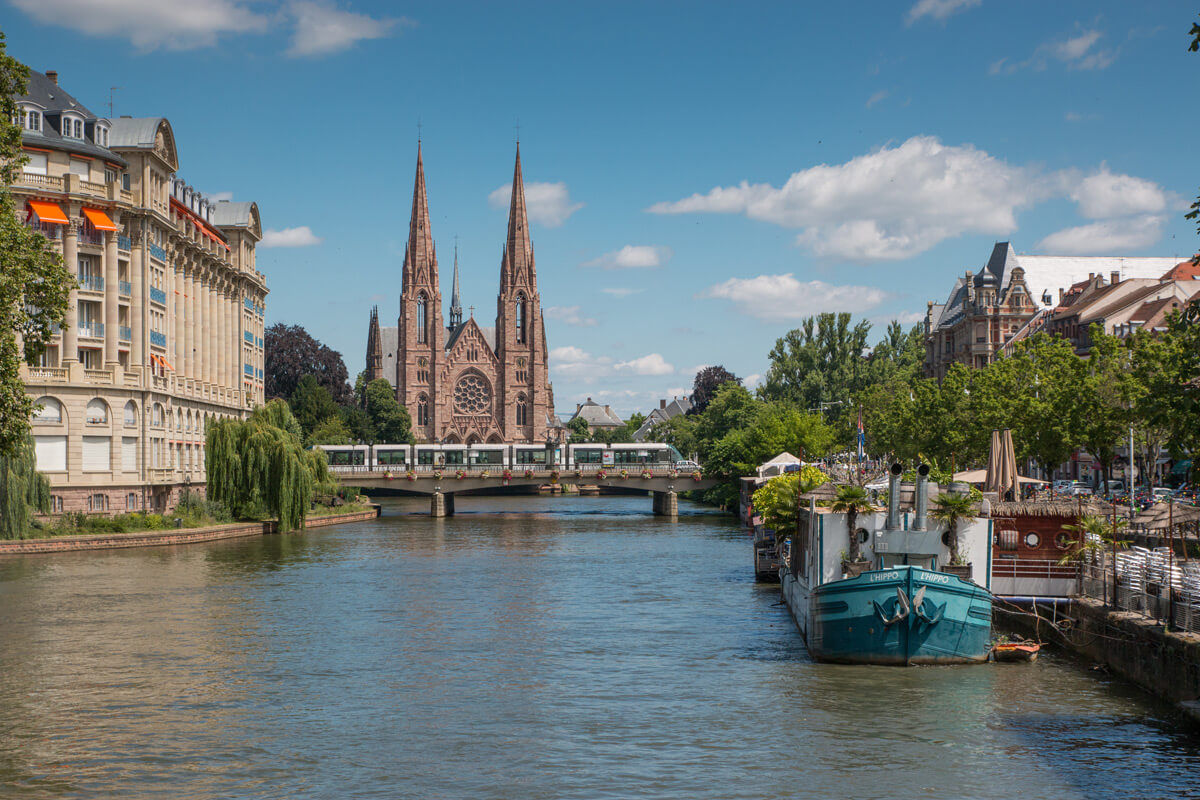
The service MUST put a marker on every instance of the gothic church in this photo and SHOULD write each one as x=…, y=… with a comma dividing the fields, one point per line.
x=463, y=382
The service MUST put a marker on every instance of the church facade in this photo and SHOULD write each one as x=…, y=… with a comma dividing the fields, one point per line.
x=460, y=381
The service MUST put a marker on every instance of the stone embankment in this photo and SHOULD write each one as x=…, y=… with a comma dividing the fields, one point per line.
x=107, y=541
x=1131, y=646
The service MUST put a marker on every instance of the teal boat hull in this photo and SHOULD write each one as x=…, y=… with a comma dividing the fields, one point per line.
x=875, y=618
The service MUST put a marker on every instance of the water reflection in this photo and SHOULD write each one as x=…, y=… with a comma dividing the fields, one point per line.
x=526, y=648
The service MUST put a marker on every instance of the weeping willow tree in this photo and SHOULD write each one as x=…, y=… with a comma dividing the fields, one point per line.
x=22, y=489
x=259, y=465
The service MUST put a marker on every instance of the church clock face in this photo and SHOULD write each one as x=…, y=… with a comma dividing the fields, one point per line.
x=472, y=396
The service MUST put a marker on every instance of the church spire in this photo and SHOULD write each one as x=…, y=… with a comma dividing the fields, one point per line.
x=518, y=257
x=455, y=304
x=374, y=347
x=420, y=258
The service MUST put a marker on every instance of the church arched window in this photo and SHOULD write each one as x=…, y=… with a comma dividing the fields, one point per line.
x=422, y=318
x=522, y=410
x=520, y=318
x=422, y=410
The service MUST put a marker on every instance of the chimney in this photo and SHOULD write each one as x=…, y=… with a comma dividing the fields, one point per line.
x=662, y=404
x=1116, y=278
x=1091, y=276
x=922, y=498
x=53, y=76
x=1061, y=292
x=893, y=512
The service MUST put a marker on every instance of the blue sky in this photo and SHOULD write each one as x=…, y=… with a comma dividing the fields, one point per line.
x=702, y=176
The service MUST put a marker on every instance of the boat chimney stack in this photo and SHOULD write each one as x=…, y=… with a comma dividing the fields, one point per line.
x=921, y=500
x=893, y=512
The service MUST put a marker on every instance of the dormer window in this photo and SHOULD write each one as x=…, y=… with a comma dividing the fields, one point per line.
x=72, y=127
x=30, y=119
x=102, y=135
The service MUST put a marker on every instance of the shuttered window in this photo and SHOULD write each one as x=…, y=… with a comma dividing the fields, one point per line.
x=97, y=454
x=36, y=165
x=51, y=452
x=81, y=167
x=129, y=453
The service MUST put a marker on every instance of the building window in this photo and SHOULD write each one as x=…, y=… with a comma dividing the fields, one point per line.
x=522, y=410
x=131, y=415
x=56, y=505
x=50, y=411
x=520, y=317
x=36, y=164
x=131, y=501
x=422, y=318
x=97, y=502
x=102, y=135
x=125, y=181
x=423, y=411
x=30, y=119
x=156, y=417
x=97, y=412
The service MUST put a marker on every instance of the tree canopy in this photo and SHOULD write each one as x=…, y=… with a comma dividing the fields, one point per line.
x=708, y=380
x=35, y=287
x=389, y=420
x=291, y=353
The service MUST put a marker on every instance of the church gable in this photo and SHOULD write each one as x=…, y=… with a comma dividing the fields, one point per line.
x=469, y=345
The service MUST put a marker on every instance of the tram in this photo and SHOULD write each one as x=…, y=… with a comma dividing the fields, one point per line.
x=418, y=457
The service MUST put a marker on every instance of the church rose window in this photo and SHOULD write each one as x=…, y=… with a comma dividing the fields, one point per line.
x=472, y=396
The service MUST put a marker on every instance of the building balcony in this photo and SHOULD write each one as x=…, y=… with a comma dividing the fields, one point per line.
x=157, y=252
x=158, y=338
x=158, y=296
x=248, y=336
x=47, y=373
x=125, y=333
x=91, y=237
x=124, y=288
x=94, y=330
x=46, y=182
x=124, y=242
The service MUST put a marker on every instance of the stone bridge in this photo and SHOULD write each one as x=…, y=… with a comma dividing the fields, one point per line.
x=442, y=483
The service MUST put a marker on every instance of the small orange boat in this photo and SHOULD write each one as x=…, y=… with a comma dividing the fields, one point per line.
x=1016, y=651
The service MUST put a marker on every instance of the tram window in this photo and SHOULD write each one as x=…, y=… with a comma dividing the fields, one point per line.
x=588, y=456
x=425, y=456
x=531, y=456
x=453, y=457
x=487, y=457
x=391, y=457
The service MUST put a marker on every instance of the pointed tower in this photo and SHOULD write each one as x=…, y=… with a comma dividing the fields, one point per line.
x=421, y=334
x=374, y=348
x=520, y=342
x=455, y=303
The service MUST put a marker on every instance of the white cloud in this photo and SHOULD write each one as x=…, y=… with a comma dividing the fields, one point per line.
x=1105, y=194
x=546, y=203
x=875, y=98
x=1122, y=235
x=652, y=364
x=301, y=236
x=150, y=24
x=695, y=369
x=322, y=28
x=577, y=362
x=631, y=256
x=620, y=291
x=938, y=9
x=1076, y=52
x=751, y=381
x=570, y=315
x=890, y=204
x=782, y=297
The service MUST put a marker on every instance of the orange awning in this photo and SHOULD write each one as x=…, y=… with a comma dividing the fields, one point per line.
x=165, y=363
x=48, y=212
x=153, y=359
x=99, y=220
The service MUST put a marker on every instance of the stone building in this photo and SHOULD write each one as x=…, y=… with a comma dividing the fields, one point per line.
x=597, y=417
x=164, y=331
x=1010, y=297
x=463, y=382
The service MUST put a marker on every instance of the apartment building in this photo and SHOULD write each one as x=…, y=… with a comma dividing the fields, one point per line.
x=164, y=332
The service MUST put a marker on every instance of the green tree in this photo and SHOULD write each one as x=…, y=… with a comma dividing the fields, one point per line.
x=311, y=404
x=777, y=500
x=851, y=501
x=953, y=509
x=259, y=466
x=635, y=421
x=22, y=490
x=331, y=430
x=679, y=432
x=358, y=423
x=34, y=286
x=579, y=431
x=705, y=386
x=390, y=420
x=731, y=408
x=1106, y=394
x=819, y=362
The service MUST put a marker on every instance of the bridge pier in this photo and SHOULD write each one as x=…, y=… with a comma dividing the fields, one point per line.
x=441, y=505
x=665, y=504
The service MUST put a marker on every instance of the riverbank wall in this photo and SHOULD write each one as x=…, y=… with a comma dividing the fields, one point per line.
x=110, y=541
x=1131, y=646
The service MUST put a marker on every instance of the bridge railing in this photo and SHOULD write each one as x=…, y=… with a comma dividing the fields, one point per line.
x=593, y=471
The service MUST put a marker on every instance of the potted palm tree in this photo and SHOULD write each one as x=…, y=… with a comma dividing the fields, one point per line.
x=953, y=509
x=852, y=500
x=1094, y=537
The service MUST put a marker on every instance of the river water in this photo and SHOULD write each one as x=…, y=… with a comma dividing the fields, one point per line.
x=529, y=647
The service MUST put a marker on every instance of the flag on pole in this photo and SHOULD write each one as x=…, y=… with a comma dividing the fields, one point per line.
x=862, y=439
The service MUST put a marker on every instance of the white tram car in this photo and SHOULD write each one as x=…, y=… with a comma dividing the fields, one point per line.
x=419, y=457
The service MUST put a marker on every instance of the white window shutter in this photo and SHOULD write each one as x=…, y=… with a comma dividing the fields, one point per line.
x=129, y=453
x=51, y=453
x=97, y=454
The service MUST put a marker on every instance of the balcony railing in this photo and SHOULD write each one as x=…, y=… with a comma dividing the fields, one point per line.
x=47, y=373
x=124, y=288
x=92, y=283
x=41, y=181
x=91, y=237
x=249, y=370
x=248, y=336
x=125, y=333
x=158, y=252
x=50, y=231
x=124, y=242
x=98, y=376
x=158, y=296
x=95, y=330
x=159, y=338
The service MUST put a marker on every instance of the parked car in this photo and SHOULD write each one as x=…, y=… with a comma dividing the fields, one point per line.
x=1161, y=494
x=1079, y=489
x=1062, y=486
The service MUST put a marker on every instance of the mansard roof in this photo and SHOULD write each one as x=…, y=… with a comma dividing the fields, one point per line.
x=595, y=414
x=54, y=100
x=145, y=133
